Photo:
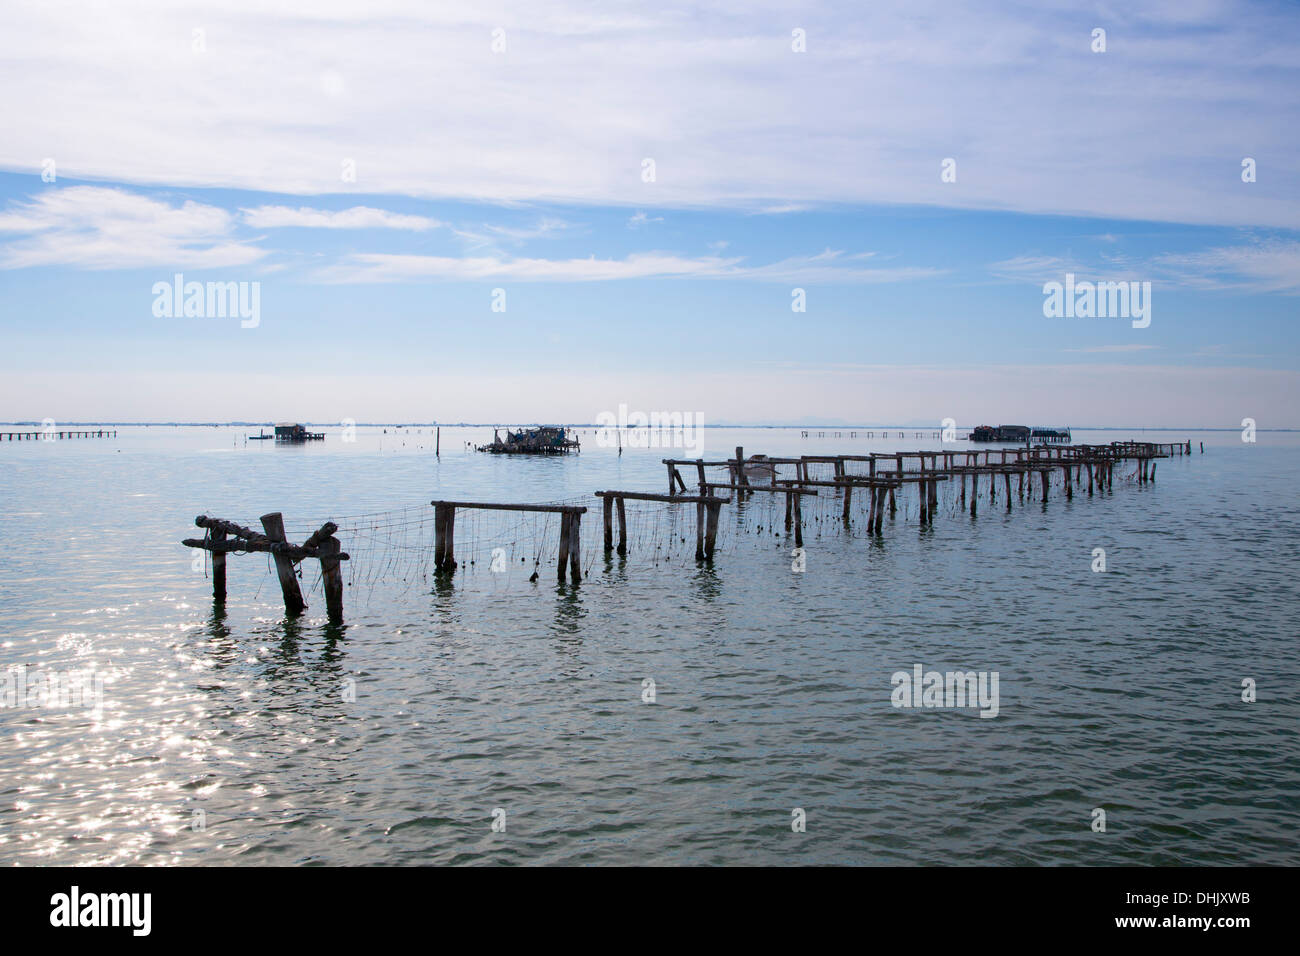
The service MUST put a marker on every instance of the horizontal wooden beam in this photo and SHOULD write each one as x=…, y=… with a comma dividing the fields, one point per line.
x=681, y=499
x=501, y=506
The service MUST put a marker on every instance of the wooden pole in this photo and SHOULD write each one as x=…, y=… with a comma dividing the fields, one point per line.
x=564, y=544
x=332, y=578
x=1007, y=475
x=449, y=559
x=218, y=536
x=608, y=510
x=273, y=523
x=622, y=528
x=437, y=447
x=711, y=533
x=440, y=536
x=699, y=531
x=1043, y=474
x=848, y=496
x=974, y=491
x=575, y=546
x=798, y=520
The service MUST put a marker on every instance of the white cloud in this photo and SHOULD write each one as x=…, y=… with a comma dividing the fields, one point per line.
x=358, y=217
x=1259, y=267
x=824, y=267
x=98, y=228
x=1152, y=129
x=641, y=219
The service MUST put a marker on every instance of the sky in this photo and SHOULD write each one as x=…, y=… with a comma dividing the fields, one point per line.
x=791, y=213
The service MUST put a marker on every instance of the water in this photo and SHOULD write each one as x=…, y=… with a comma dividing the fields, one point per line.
x=230, y=739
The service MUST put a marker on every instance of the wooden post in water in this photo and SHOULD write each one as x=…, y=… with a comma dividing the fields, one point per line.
x=741, y=477
x=437, y=447
x=440, y=536
x=622, y=528
x=699, y=530
x=1007, y=476
x=711, y=534
x=607, y=506
x=880, y=505
x=1069, y=486
x=1044, y=475
x=575, y=546
x=1089, y=479
x=974, y=490
x=564, y=543
x=218, y=536
x=872, y=509
x=273, y=524
x=798, y=520
x=848, y=496
x=332, y=578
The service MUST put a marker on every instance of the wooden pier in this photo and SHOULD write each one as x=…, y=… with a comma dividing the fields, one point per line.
x=60, y=434
x=570, y=532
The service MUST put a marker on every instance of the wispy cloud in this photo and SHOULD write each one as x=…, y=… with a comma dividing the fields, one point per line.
x=1258, y=267
x=641, y=219
x=358, y=217
x=93, y=227
x=733, y=117
x=828, y=266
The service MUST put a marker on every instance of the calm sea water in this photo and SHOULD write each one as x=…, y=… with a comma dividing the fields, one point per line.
x=238, y=737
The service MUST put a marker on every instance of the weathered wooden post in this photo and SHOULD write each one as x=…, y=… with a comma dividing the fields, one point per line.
x=699, y=531
x=974, y=490
x=575, y=546
x=1069, y=486
x=880, y=506
x=741, y=477
x=711, y=535
x=1089, y=478
x=273, y=524
x=1043, y=473
x=332, y=578
x=564, y=544
x=218, y=536
x=622, y=528
x=871, y=510
x=1007, y=477
x=437, y=446
x=607, y=507
x=798, y=520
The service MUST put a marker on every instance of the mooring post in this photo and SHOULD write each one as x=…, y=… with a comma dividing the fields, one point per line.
x=934, y=485
x=449, y=558
x=218, y=536
x=848, y=497
x=437, y=446
x=575, y=546
x=273, y=524
x=741, y=477
x=711, y=534
x=332, y=578
x=622, y=528
x=871, y=509
x=880, y=506
x=963, y=489
x=439, y=536
x=974, y=490
x=789, y=508
x=607, y=507
x=699, y=531
x=893, y=505
x=564, y=544
x=798, y=520
x=1044, y=473
x=1007, y=476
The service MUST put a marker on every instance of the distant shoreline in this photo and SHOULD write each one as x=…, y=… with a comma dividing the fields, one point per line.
x=513, y=424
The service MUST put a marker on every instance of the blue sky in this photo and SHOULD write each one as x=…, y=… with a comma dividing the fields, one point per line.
x=522, y=169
